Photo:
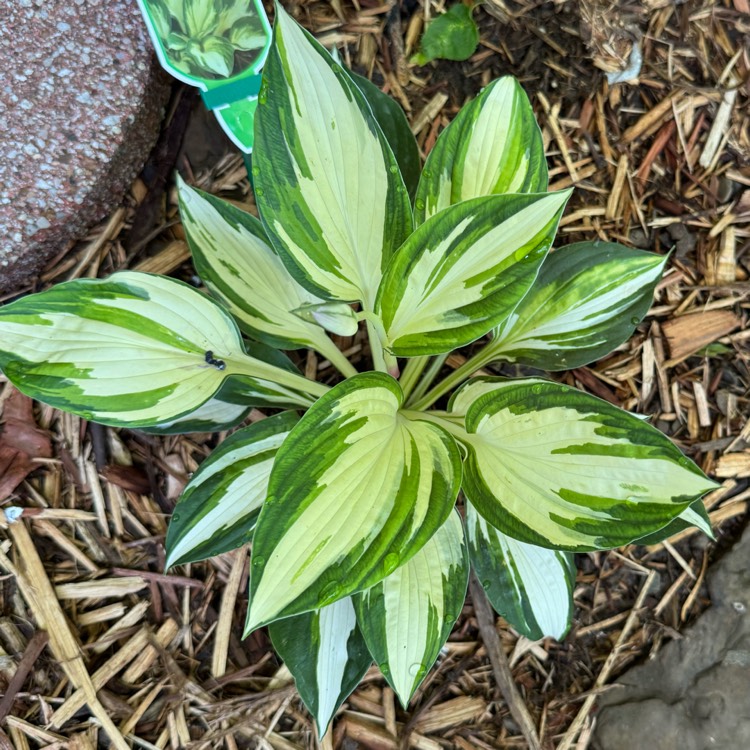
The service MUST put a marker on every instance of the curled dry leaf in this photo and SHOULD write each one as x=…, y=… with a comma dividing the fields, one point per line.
x=21, y=441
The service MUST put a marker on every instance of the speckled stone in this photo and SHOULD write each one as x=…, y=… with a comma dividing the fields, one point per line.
x=81, y=99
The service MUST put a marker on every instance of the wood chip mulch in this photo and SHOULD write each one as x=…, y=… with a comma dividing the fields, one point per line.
x=100, y=647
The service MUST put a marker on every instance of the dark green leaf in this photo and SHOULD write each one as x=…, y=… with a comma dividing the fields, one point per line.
x=452, y=36
x=395, y=127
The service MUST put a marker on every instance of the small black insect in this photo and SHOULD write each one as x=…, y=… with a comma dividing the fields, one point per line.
x=219, y=364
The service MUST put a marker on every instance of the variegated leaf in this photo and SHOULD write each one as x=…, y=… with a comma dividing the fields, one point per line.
x=694, y=515
x=588, y=299
x=392, y=120
x=236, y=397
x=550, y=465
x=493, y=146
x=329, y=189
x=356, y=490
x=239, y=389
x=218, y=509
x=236, y=262
x=134, y=350
x=325, y=652
x=214, y=415
x=463, y=272
x=530, y=586
x=261, y=394
x=408, y=616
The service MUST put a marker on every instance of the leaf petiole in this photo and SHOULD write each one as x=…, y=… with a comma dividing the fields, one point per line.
x=410, y=376
x=483, y=357
x=383, y=360
x=246, y=365
x=452, y=423
x=433, y=371
x=336, y=357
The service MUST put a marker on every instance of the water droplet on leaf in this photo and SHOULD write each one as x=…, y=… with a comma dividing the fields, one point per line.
x=259, y=191
x=526, y=254
x=416, y=669
x=536, y=389
x=634, y=321
x=258, y=561
x=420, y=204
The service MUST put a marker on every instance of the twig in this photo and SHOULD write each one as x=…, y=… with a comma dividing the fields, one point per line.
x=28, y=660
x=162, y=578
x=500, y=667
x=228, y=602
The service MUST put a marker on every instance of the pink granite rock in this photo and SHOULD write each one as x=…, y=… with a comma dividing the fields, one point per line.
x=81, y=100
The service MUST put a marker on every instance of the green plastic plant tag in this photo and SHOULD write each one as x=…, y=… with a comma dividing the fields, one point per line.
x=219, y=46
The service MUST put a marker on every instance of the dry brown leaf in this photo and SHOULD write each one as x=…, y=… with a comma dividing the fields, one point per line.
x=21, y=441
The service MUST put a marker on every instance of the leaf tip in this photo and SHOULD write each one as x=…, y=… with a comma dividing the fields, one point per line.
x=404, y=693
x=280, y=15
x=252, y=621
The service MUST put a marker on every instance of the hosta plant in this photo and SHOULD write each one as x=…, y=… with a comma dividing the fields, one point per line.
x=349, y=493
